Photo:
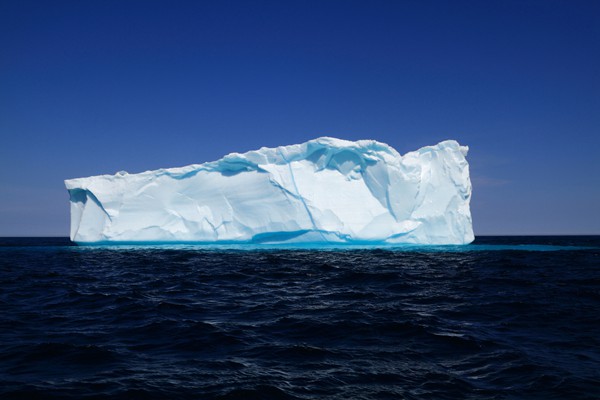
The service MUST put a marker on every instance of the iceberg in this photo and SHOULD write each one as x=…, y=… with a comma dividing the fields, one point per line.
x=323, y=191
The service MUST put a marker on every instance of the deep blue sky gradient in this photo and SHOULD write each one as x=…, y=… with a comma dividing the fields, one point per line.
x=94, y=87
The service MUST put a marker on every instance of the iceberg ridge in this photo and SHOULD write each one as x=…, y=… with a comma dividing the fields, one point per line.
x=323, y=191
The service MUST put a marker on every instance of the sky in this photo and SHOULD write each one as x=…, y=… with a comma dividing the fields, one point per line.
x=96, y=87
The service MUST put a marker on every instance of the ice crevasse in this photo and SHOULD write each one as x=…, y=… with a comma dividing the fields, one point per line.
x=323, y=191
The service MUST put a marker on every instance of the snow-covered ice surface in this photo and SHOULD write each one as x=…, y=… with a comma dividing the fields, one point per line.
x=323, y=191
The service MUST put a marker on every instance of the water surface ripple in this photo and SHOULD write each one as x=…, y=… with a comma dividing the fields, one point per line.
x=177, y=323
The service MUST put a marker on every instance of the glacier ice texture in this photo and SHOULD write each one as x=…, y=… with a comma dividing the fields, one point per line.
x=323, y=191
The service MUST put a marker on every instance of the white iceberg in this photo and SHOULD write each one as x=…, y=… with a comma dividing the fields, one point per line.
x=323, y=191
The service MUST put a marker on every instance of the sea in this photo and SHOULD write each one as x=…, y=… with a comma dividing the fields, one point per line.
x=502, y=318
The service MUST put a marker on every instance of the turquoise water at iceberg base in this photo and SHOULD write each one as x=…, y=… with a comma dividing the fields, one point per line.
x=502, y=318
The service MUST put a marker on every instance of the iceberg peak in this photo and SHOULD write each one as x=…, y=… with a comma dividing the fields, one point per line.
x=326, y=190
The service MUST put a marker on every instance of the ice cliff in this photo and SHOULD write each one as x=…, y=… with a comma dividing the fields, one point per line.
x=323, y=191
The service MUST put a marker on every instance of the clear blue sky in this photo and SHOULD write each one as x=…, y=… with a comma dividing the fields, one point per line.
x=93, y=87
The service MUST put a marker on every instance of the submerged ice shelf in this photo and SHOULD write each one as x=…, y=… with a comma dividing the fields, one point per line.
x=323, y=191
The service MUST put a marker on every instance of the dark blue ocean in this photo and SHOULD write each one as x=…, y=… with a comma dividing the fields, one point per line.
x=504, y=318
